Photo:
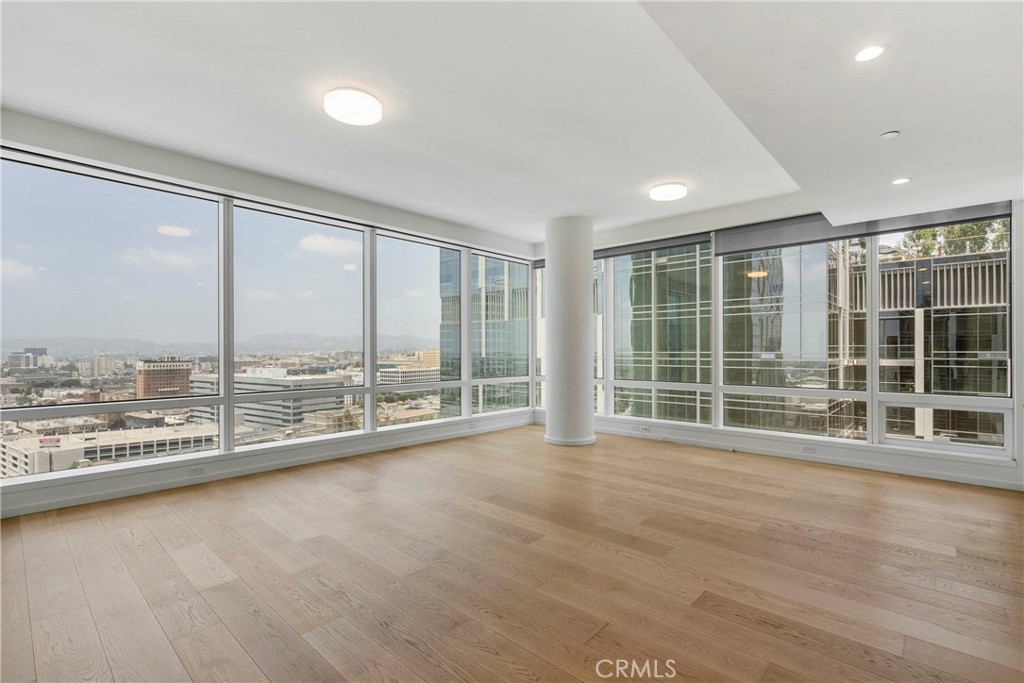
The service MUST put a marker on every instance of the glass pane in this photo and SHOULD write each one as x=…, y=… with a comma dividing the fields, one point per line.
x=663, y=315
x=539, y=315
x=840, y=418
x=944, y=309
x=683, y=314
x=500, y=317
x=418, y=309
x=109, y=290
x=597, y=320
x=50, y=445
x=298, y=305
x=940, y=425
x=408, y=407
x=269, y=421
x=683, y=406
x=795, y=317
x=633, y=402
x=540, y=395
x=633, y=317
x=488, y=398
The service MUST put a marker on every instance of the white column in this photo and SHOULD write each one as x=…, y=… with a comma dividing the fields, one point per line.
x=569, y=273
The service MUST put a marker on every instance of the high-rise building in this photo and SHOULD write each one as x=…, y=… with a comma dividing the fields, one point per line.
x=168, y=376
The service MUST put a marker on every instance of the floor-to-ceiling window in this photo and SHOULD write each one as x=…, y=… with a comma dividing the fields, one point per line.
x=144, y=320
x=793, y=352
x=944, y=333
x=662, y=333
x=110, y=307
x=500, y=335
x=298, y=328
x=419, y=331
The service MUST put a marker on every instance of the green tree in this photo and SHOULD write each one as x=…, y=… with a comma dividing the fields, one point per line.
x=966, y=238
x=919, y=243
x=68, y=383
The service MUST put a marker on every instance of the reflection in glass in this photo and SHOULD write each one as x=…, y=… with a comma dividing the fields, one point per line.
x=663, y=315
x=944, y=310
x=795, y=317
x=939, y=425
x=668, y=404
x=821, y=416
x=488, y=398
x=500, y=317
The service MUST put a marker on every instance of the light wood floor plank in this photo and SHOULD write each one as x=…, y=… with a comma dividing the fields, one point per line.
x=280, y=653
x=16, y=659
x=50, y=575
x=178, y=607
x=67, y=648
x=212, y=654
x=500, y=557
x=136, y=647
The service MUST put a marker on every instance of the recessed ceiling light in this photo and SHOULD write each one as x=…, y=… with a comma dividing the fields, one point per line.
x=173, y=231
x=901, y=181
x=352, y=106
x=757, y=273
x=668, y=192
x=869, y=53
x=889, y=134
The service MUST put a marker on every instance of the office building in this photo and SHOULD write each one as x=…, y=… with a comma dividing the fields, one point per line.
x=160, y=378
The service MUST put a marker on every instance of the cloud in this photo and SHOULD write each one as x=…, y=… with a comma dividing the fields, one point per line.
x=319, y=243
x=303, y=295
x=146, y=256
x=174, y=231
x=350, y=267
x=262, y=295
x=415, y=293
x=16, y=270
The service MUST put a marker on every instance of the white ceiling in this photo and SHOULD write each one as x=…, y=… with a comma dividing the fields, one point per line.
x=951, y=79
x=503, y=115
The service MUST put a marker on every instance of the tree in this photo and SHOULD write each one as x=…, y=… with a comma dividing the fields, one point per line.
x=68, y=383
x=966, y=238
x=919, y=243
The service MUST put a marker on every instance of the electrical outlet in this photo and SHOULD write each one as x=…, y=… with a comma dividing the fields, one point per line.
x=808, y=450
x=641, y=429
x=196, y=470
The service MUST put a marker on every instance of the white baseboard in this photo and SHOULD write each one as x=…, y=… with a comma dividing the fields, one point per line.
x=33, y=493
x=918, y=462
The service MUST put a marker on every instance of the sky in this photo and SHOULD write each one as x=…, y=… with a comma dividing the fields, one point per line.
x=95, y=258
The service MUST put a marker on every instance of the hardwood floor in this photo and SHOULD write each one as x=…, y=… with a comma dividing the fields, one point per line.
x=502, y=558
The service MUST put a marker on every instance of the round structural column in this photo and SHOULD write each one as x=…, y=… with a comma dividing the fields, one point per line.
x=568, y=284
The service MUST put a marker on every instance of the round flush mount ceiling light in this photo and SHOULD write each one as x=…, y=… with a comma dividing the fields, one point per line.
x=901, y=181
x=889, y=134
x=668, y=192
x=354, y=107
x=869, y=53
